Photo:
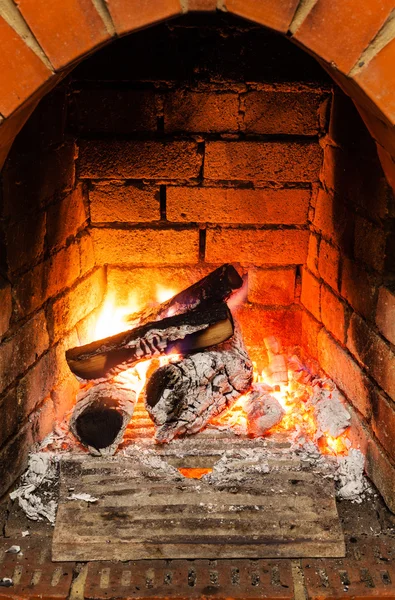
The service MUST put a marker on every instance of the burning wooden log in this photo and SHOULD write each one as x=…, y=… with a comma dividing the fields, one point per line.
x=182, y=397
x=195, y=330
x=215, y=288
x=101, y=415
x=263, y=412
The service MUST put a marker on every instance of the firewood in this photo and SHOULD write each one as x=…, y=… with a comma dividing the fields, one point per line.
x=183, y=396
x=216, y=287
x=101, y=415
x=181, y=334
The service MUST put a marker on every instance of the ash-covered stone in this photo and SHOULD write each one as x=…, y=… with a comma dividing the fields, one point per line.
x=263, y=412
x=331, y=415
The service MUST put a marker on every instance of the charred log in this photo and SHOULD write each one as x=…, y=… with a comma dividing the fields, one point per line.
x=101, y=415
x=182, y=397
x=215, y=288
x=198, y=329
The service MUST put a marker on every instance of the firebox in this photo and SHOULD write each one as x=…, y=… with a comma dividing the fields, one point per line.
x=206, y=140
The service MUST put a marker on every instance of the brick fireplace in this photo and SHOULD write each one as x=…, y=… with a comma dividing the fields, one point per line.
x=133, y=175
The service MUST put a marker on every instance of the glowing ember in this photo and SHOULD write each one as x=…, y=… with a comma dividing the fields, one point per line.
x=194, y=473
x=299, y=419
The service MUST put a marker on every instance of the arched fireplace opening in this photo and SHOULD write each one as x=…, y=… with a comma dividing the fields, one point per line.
x=200, y=141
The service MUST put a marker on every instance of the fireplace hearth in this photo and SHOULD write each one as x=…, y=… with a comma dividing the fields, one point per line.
x=222, y=144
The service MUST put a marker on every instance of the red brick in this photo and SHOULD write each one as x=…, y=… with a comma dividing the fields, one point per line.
x=312, y=254
x=47, y=279
x=377, y=79
x=21, y=71
x=262, y=161
x=383, y=422
x=339, y=31
x=373, y=352
x=6, y=306
x=25, y=241
x=329, y=264
x=112, y=111
x=36, y=385
x=67, y=310
x=9, y=415
x=385, y=314
x=257, y=247
x=259, y=322
x=136, y=14
x=266, y=12
x=146, y=246
x=206, y=112
x=345, y=372
x=202, y=5
x=65, y=31
x=382, y=472
x=87, y=254
x=334, y=220
x=288, y=112
x=370, y=243
x=309, y=337
x=227, y=205
x=358, y=287
x=137, y=287
x=30, y=182
x=20, y=351
x=334, y=314
x=67, y=386
x=125, y=203
x=66, y=218
x=388, y=164
x=271, y=287
x=311, y=294
x=102, y=159
x=15, y=453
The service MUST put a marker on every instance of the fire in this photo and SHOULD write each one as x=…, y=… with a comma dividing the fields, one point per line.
x=113, y=317
x=293, y=397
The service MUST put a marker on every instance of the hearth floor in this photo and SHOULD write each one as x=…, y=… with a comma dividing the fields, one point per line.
x=367, y=571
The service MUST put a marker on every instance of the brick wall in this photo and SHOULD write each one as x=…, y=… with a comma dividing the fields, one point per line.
x=190, y=164
x=348, y=284
x=139, y=174
x=48, y=282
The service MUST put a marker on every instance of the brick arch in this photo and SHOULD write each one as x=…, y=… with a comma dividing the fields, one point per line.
x=41, y=41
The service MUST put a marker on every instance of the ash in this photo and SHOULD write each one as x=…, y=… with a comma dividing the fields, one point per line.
x=37, y=494
x=241, y=450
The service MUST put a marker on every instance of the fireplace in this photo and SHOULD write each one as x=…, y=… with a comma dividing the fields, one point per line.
x=133, y=179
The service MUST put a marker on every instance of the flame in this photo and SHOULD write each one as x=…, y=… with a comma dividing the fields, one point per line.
x=298, y=412
x=113, y=318
x=164, y=293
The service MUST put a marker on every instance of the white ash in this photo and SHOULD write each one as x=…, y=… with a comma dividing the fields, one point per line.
x=85, y=497
x=330, y=413
x=14, y=550
x=36, y=495
x=350, y=477
x=238, y=466
x=263, y=412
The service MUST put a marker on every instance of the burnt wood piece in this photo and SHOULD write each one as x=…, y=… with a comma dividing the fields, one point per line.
x=101, y=415
x=216, y=287
x=181, y=334
x=183, y=396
